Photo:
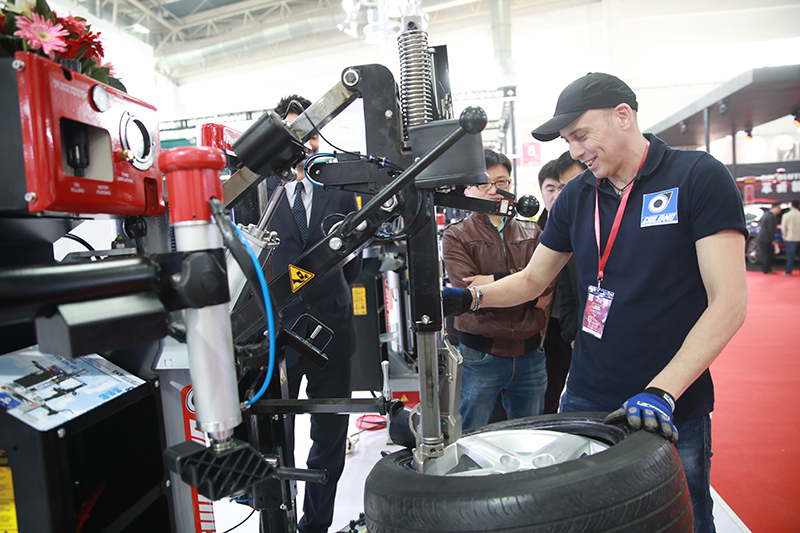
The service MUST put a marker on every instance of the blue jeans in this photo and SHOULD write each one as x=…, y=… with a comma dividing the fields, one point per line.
x=791, y=250
x=694, y=448
x=522, y=380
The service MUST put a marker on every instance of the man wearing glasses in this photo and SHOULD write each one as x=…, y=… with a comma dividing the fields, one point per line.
x=501, y=347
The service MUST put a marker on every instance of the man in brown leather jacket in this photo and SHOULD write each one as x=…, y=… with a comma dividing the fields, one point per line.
x=501, y=346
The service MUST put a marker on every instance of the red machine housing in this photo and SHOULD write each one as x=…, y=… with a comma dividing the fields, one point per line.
x=192, y=179
x=87, y=147
x=219, y=136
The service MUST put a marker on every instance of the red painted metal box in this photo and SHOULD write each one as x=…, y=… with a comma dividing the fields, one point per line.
x=74, y=145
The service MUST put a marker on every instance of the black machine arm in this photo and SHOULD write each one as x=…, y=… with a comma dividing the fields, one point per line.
x=28, y=292
x=527, y=205
x=273, y=147
x=270, y=147
x=358, y=229
x=86, y=307
x=393, y=196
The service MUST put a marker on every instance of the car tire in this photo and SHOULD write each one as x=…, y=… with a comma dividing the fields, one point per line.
x=752, y=251
x=636, y=485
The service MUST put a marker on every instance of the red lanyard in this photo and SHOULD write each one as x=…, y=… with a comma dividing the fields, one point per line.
x=602, y=258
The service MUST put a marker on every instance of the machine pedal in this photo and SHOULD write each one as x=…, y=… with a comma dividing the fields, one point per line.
x=218, y=473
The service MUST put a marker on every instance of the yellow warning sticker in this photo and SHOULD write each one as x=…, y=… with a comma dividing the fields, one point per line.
x=359, y=299
x=8, y=511
x=299, y=277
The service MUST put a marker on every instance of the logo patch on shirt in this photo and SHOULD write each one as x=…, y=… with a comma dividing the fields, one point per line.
x=660, y=208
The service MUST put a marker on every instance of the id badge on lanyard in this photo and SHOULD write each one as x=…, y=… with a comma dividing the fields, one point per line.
x=598, y=301
x=597, y=305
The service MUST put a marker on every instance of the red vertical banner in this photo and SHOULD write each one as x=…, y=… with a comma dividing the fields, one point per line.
x=749, y=194
x=531, y=154
x=202, y=507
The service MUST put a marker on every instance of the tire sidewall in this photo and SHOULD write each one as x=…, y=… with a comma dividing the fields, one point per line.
x=396, y=494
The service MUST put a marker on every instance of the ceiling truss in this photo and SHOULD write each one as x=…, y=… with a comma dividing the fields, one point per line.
x=175, y=27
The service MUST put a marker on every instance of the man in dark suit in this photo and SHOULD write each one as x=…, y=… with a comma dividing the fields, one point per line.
x=299, y=221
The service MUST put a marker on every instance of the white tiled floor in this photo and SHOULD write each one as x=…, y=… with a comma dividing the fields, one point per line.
x=358, y=464
x=725, y=519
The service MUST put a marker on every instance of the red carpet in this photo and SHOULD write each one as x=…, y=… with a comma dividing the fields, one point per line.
x=756, y=420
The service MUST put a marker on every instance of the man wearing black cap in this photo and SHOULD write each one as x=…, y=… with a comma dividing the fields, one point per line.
x=658, y=236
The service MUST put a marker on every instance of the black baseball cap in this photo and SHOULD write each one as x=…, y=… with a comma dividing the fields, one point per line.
x=593, y=91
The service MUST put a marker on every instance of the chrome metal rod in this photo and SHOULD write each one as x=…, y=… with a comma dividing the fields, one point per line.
x=430, y=432
x=272, y=205
x=210, y=343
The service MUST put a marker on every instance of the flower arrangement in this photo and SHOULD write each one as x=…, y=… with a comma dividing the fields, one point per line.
x=30, y=26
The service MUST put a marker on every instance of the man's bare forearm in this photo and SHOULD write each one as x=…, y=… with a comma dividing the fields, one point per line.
x=721, y=261
x=527, y=284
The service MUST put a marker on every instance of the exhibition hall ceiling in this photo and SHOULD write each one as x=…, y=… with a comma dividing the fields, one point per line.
x=195, y=36
x=178, y=24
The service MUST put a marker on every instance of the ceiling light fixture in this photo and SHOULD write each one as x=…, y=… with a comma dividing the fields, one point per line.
x=385, y=18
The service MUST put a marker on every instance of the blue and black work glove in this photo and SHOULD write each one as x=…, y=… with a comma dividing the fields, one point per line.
x=651, y=409
x=456, y=301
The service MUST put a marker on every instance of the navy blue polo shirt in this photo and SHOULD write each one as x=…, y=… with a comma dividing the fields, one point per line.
x=678, y=198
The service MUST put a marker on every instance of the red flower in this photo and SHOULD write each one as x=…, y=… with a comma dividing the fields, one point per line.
x=86, y=45
x=42, y=31
x=92, y=40
x=73, y=25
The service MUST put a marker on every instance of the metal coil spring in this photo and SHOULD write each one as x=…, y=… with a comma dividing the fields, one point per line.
x=416, y=75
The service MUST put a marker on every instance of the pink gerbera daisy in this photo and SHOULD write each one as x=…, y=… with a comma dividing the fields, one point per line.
x=110, y=68
x=41, y=33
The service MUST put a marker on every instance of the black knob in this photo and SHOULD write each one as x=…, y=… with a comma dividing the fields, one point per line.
x=527, y=206
x=473, y=120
